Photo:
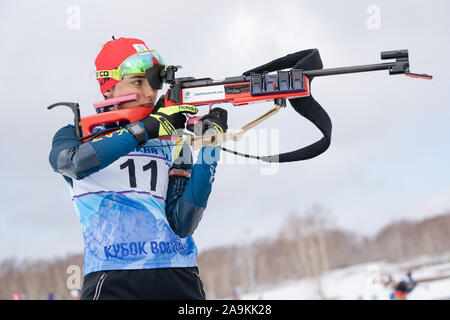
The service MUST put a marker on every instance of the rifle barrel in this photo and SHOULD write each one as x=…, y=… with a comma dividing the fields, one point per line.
x=344, y=70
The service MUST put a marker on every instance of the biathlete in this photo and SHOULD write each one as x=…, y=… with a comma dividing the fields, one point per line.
x=139, y=197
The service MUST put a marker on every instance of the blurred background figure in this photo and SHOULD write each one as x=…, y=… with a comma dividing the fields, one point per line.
x=402, y=288
x=50, y=296
x=235, y=294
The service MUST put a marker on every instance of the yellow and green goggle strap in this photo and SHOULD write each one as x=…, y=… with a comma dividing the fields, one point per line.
x=136, y=63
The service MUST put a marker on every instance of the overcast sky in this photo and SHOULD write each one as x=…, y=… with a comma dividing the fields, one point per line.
x=389, y=156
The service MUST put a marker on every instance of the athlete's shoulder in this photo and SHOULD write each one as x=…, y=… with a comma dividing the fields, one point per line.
x=66, y=131
x=67, y=128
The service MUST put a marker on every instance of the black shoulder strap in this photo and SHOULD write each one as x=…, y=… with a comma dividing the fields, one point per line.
x=307, y=107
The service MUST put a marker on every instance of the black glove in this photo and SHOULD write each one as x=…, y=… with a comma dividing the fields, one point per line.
x=215, y=122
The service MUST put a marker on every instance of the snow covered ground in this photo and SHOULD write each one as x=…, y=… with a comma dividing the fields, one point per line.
x=363, y=282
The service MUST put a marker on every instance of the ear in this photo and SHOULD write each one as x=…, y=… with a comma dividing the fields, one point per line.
x=108, y=94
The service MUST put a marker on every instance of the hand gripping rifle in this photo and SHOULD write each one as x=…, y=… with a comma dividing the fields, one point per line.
x=288, y=77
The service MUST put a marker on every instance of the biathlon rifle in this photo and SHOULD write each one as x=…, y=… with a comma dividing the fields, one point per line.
x=288, y=77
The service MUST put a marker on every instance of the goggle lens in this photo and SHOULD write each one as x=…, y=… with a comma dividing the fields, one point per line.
x=140, y=62
x=137, y=63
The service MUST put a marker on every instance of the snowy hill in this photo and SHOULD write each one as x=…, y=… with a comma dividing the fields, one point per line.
x=364, y=282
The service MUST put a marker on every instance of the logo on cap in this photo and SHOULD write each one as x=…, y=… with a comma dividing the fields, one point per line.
x=140, y=47
x=103, y=74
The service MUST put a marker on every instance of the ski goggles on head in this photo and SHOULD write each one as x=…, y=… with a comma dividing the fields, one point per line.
x=136, y=63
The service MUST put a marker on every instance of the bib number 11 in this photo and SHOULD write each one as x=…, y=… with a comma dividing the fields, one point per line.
x=152, y=165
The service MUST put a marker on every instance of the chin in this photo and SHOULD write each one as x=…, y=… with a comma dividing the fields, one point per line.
x=129, y=107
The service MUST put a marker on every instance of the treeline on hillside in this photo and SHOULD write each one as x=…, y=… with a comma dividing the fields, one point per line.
x=38, y=278
x=306, y=246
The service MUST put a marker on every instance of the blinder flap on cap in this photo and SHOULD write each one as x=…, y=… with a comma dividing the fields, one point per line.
x=155, y=75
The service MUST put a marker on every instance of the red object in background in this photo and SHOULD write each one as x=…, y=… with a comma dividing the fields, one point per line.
x=16, y=295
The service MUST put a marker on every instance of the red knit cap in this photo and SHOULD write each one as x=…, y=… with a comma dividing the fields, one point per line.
x=113, y=53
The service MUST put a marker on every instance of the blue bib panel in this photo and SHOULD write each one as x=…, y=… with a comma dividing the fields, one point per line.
x=122, y=212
